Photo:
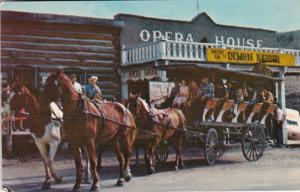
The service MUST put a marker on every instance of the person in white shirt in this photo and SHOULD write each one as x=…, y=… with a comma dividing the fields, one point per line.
x=75, y=84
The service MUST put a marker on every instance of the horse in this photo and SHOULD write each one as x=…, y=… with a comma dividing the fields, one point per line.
x=167, y=125
x=39, y=118
x=87, y=123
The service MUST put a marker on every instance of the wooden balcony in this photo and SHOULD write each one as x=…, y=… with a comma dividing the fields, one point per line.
x=186, y=51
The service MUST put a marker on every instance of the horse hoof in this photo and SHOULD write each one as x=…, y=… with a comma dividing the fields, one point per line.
x=181, y=166
x=120, y=183
x=128, y=178
x=99, y=168
x=76, y=188
x=95, y=188
x=86, y=181
x=151, y=171
x=176, y=168
x=46, y=185
x=58, y=180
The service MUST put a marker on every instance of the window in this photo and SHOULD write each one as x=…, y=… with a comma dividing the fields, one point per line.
x=290, y=122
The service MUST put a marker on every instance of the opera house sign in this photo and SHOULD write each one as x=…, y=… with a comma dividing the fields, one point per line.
x=155, y=35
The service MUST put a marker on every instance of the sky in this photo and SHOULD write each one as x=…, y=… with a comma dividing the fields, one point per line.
x=278, y=15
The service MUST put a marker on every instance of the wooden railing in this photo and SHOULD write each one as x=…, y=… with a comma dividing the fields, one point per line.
x=185, y=51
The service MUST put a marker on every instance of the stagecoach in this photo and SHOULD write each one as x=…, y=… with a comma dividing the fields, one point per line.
x=212, y=130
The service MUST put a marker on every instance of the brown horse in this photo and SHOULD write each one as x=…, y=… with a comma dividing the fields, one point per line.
x=168, y=125
x=86, y=123
x=43, y=131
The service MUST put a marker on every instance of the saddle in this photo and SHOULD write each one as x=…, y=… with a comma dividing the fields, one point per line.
x=158, y=113
x=91, y=106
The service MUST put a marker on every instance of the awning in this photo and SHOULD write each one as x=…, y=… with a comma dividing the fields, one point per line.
x=199, y=69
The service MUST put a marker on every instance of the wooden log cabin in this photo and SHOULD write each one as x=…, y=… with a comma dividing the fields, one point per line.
x=34, y=45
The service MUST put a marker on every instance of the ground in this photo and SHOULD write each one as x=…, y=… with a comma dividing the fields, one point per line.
x=278, y=169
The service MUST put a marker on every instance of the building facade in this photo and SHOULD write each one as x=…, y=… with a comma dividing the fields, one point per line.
x=34, y=45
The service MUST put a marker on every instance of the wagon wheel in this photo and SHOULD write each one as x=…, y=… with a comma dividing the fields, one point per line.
x=211, y=146
x=253, y=143
x=221, y=148
x=162, y=152
x=221, y=145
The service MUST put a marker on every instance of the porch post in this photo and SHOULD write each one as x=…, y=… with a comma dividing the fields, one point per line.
x=124, y=85
x=282, y=103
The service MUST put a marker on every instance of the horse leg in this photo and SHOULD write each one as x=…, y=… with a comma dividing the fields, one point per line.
x=137, y=159
x=120, y=157
x=99, y=160
x=149, y=159
x=47, y=182
x=178, y=147
x=77, y=156
x=127, y=149
x=87, y=170
x=146, y=159
x=43, y=152
x=91, y=149
x=53, y=149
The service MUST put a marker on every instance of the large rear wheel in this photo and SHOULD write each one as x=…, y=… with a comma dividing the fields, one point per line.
x=211, y=146
x=162, y=152
x=253, y=143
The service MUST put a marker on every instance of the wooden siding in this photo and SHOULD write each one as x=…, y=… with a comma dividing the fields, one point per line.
x=40, y=40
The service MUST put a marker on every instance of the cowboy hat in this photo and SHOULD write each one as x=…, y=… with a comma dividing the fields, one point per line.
x=93, y=77
x=72, y=76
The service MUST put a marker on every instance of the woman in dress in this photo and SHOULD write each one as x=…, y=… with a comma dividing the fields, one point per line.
x=183, y=95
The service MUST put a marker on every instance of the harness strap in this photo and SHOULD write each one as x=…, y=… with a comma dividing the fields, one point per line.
x=108, y=119
x=52, y=112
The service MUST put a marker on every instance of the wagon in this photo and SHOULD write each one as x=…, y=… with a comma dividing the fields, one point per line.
x=211, y=131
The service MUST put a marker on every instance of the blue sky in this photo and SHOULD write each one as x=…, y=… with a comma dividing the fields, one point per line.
x=279, y=15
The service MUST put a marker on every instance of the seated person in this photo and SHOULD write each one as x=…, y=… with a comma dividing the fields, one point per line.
x=267, y=96
x=183, y=95
x=92, y=91
x=221, y=90
x=207, y=89
x=251, y=94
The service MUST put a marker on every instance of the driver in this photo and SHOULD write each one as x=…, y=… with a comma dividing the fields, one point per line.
x=92, y=91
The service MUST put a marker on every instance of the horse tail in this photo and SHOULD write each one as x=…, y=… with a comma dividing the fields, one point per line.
x=182, y=118
x=133, y=129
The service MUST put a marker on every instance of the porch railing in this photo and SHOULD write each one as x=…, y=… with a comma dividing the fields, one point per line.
x=185, y=51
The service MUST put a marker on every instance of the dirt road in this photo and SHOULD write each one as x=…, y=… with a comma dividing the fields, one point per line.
x=279, y=169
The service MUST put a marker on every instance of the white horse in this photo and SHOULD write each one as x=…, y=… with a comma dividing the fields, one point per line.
x=52, y=137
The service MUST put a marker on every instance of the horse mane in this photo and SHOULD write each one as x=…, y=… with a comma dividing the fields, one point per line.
x=33, y=98
x=144, y=104
x=68, y=83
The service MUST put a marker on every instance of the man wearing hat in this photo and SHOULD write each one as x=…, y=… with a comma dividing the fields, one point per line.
x=92, y=91
x=75, y=84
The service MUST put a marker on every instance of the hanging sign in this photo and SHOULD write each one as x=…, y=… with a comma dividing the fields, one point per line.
x=159, y=91
x=142, y=74
x=249, y=57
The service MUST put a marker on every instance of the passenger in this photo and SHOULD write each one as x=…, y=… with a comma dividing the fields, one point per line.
x=174, y=91
x=194, y=89
x=75, y=84
x=222, y=90
x=207, y=89
x=251, y=94
x=183, y=95
x=267, y=96
x=231, y=90
x=241, y=94
x=92, y=91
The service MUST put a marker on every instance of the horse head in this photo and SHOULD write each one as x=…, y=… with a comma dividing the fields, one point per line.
x=138, y=107
x=59, y=85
